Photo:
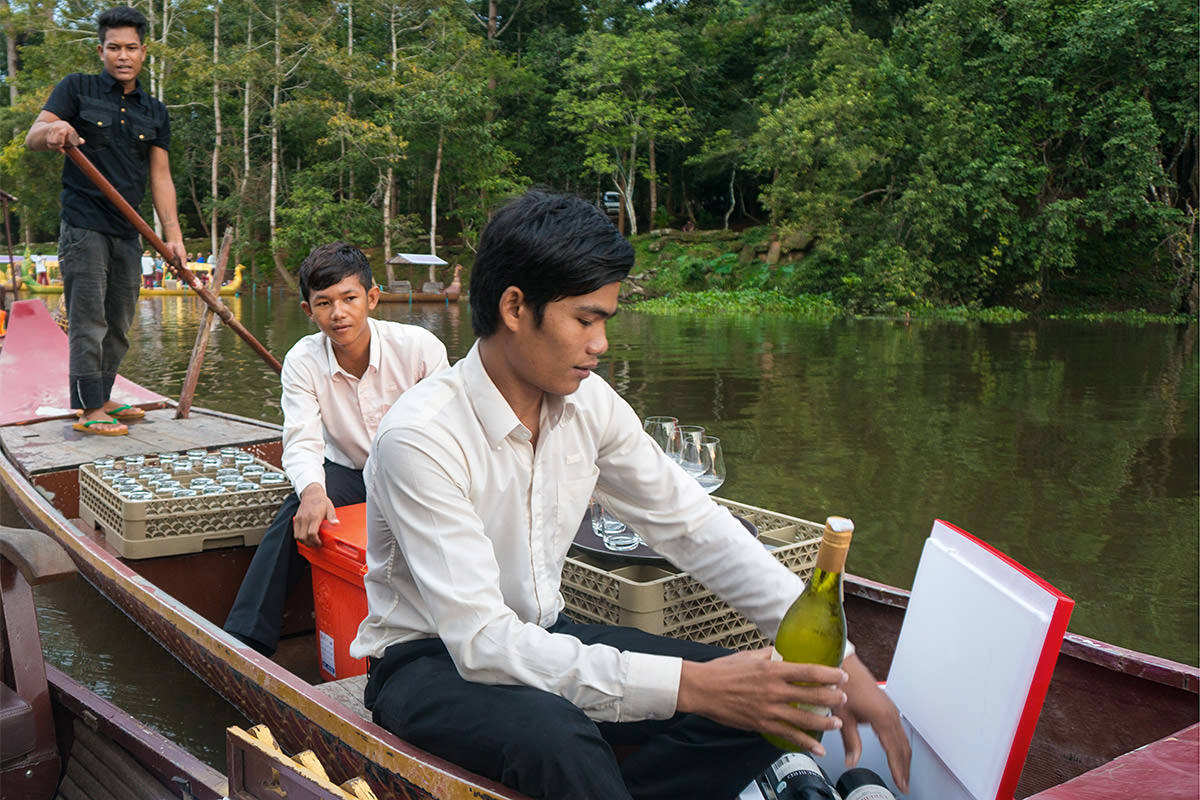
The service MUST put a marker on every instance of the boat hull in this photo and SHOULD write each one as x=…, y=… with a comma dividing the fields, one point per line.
x=418, y=297
x=226, y=290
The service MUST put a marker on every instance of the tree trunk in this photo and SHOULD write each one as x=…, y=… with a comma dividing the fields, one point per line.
x=732, y=197
x=389, y=191
x=349, y=96
x=246, y=89
x=630, y=182
x=10, y=36
x=276, y=254
x=217, y=130
x=652, y=174
x=433, y=195
x=389, y=195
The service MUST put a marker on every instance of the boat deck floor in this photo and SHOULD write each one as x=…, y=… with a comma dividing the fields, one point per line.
x=349, y=692
x=54, y=445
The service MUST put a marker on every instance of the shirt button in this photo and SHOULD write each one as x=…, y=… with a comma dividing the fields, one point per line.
x=122, y=122
x=141, y=136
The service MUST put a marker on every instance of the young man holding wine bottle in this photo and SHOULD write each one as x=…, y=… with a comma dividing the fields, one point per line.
x=476, y=483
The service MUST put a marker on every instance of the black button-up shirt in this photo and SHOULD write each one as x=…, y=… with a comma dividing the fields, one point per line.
x=119, y=129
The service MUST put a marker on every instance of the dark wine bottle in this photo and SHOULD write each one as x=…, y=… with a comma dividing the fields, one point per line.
x=795, y=776
x=861, y=783
x=813, y=630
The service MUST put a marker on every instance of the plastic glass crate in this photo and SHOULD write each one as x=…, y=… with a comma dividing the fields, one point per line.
x=174, y=525
x=674, y=603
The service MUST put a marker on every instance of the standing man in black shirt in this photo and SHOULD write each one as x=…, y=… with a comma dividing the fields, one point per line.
x=126, y=133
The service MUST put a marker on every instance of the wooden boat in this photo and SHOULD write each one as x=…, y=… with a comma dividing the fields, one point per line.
x=171, y=287
x=58, y=738
x=1103, y=701
x=431, y=291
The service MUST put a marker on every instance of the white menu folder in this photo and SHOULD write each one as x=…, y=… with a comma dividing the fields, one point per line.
x=972, y=665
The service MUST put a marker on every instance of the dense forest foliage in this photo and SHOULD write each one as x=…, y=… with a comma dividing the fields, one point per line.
x=898, y=152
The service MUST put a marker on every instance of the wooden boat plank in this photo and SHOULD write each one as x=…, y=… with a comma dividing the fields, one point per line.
x=349, y=692
x=54, y=445
x=170, y=764
x=35, y=369
x=1164, y=770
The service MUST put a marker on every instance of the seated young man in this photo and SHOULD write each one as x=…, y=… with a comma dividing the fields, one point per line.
x=476, y=484
x=337, y=385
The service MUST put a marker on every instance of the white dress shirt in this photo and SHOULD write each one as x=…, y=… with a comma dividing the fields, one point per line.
x=330, y=414
x=468, y=527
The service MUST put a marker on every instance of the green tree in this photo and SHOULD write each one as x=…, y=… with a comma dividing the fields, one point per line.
x=619, y=95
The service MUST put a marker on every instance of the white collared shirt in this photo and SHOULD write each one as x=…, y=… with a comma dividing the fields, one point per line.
x=468, y=528
x=329, y=413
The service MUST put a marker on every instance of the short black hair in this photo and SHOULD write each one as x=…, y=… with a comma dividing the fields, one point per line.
x=122, y=17
x=331, y=263
x=549, y=246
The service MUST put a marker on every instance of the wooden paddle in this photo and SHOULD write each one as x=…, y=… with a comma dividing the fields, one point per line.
x=197, y=360
x=179, y=268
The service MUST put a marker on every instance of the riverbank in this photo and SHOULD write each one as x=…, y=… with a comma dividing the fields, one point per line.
x=823, y=307
x=760, y=271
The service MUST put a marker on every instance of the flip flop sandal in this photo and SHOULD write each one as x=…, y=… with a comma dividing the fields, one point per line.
x=86, y=427
x=126, y=412
x=120, y=412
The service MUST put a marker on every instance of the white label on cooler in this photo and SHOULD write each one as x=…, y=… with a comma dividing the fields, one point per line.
x=327, y=659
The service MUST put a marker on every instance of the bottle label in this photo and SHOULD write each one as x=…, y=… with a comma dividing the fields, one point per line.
x=790, y=764
x=824, y=711
x=870, y=793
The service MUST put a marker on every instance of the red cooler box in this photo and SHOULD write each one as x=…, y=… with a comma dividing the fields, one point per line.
x=339, y=599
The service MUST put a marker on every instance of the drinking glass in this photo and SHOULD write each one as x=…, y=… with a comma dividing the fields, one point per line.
x=661, y=430
x=712, y=461
x=686, y=435
x=614, y=533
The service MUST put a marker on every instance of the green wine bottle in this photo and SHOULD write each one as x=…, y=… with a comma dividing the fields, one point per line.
x=813, y=630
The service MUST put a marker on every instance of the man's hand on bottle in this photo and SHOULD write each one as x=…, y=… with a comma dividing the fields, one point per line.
x=866, y=702
x=750, y=691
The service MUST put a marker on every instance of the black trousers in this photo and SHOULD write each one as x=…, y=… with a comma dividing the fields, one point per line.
x=102, y=275
x=542, y=745
x=277, y=565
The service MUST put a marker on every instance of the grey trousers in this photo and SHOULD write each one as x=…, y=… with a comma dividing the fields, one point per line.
x=101, y=278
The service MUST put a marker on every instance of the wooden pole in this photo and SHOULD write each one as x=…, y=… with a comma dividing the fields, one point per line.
x=181, y=271
x=12, y=266
x=197, y=360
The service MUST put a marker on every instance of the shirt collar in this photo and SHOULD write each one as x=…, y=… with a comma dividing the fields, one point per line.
x=372, y=359
x=494, y=413
x=109, y=82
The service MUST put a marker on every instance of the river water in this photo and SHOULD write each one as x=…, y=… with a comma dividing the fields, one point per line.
x=1072, y=447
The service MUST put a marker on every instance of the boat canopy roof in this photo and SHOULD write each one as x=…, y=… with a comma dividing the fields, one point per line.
x=416, y=258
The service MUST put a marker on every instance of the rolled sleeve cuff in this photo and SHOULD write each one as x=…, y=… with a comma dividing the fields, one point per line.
x=304, y=477
x=651, y=686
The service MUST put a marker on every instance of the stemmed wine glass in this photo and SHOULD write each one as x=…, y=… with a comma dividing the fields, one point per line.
x=685, y=436
x=662, y=430
x=713, y=463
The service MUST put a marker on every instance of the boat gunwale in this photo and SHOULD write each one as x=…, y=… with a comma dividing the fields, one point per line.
x=1135, y=663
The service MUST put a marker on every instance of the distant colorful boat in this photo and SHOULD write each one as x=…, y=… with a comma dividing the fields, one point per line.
x=431, y=292
x=170, y=288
